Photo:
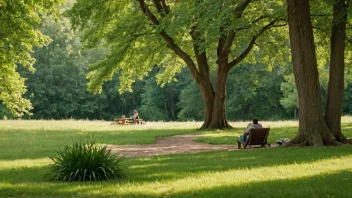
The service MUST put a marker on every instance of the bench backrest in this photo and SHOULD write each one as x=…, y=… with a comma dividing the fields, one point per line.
x=258, y=136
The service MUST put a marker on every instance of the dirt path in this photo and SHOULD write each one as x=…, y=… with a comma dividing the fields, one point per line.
x=169, y=145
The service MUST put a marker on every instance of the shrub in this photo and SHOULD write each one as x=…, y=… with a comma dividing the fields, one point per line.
x=85, y=162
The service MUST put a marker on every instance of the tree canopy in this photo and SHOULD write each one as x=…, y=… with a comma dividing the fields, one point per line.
x=202, y=35
x=19, y=33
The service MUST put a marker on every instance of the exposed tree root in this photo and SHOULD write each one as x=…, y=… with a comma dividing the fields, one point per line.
x=295, y=143
x=223, y=125
x=343, y=140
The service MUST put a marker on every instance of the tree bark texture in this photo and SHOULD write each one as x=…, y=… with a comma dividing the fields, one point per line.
x=208, y=100
x=312, y=127
x=219, y=119
x=335, y=92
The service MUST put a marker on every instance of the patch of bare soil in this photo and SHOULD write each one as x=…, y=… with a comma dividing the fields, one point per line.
x=169, y=145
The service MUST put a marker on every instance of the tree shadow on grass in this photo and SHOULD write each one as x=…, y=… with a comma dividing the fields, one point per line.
x=321, y=185
x=168, y=167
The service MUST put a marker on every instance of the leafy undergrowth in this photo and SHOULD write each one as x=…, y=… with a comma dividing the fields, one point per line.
x=85, y=162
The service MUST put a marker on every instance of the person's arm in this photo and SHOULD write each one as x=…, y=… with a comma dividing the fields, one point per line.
x=246, y=132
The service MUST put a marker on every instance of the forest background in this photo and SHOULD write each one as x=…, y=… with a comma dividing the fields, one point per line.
x=58, y=88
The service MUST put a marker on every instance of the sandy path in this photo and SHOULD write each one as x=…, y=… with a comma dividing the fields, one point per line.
x=169, y=145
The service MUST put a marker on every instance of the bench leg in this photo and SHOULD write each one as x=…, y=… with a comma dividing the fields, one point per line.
x=245, y=145
x=239, y=144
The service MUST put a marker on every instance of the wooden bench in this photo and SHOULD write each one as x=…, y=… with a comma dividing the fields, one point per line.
x=257, y=136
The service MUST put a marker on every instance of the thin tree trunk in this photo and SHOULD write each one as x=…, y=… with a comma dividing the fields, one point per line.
x=312, y=127
x=335, y=93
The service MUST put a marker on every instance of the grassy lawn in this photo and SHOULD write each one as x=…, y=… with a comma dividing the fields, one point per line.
x=276, y=172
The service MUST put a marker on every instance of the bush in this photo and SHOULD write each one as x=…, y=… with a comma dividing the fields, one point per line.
x=86, y=162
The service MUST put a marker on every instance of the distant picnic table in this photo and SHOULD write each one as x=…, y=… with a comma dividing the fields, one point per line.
x=128, y=121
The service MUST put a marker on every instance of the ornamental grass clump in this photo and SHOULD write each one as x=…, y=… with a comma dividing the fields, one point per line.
x=86, y=162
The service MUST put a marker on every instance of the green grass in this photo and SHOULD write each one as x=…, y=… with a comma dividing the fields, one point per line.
x=38, y=139
x=276, y=172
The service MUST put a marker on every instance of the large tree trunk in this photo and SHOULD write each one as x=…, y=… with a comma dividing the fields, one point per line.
x=208, y=100
x=336, y=74
x=219, y=119
x=312, y=127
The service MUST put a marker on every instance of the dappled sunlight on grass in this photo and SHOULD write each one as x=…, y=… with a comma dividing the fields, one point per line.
x=21, y=163
x=183, y=165
x=274, y=172
x=193, y=183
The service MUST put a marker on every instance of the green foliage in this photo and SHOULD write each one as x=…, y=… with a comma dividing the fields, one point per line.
x=19, y=33
x=86, y=162
x=290, y=96
x=254, y=91
x=160, y=103
x=58, y=87
x=190, y=103
x=136, y=45
x=153, y=101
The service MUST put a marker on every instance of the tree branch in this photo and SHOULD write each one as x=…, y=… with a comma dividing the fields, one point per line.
x=165, y=7
x=170, y=41
x=159, y=7
x=201, y=56
x=250, y=45
x=227, y=42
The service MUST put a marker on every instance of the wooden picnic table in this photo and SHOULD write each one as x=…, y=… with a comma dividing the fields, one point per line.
x=128, y=121
x=139, y=121
x=122, y=120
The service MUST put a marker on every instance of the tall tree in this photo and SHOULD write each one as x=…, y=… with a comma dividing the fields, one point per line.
x=337, y=70
x=312, y=127
x=196, y=33
x=19, y=23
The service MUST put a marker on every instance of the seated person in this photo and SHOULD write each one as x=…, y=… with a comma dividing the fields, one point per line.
x=135, y=116
x=124, y=121
x=255, y=124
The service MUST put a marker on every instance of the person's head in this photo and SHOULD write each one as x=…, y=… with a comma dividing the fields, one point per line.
x=255, y=120
x=135, y=112
x=123, y=116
